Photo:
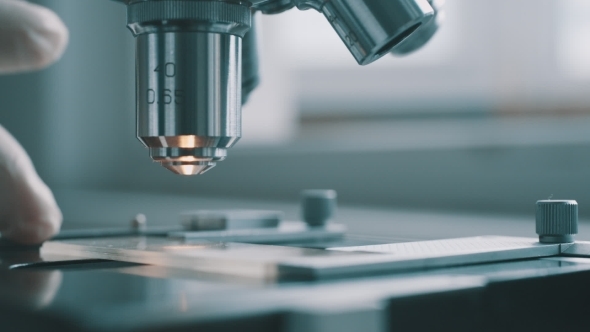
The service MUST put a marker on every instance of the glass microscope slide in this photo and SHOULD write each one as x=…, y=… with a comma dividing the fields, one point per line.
x=278, y=263
x=286, y=232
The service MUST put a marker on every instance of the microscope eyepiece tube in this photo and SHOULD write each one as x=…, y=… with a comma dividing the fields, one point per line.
x=188, y=80
x=423, y=35
x=371, y=28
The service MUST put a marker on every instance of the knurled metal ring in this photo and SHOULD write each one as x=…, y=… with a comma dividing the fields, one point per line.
x=175, y=153
x=194, y=10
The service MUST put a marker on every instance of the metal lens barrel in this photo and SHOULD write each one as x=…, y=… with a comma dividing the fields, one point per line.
x=188, y=80
x=371, y=28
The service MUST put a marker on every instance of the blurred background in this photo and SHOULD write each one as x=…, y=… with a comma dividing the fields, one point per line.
x=492, y=115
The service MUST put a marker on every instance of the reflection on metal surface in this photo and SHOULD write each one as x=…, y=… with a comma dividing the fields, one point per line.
x=36, y=289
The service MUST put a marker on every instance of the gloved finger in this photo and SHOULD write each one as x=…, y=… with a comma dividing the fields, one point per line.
x=28, y=211
x=31, y=36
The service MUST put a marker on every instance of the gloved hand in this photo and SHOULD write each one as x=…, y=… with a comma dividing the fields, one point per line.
x=31, y=37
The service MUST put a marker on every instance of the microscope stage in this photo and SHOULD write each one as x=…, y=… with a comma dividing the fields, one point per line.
x=388, y=274
x=278, y=263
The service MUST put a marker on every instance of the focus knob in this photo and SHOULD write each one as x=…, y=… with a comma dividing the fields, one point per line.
x=318, y=206
x=557, y=221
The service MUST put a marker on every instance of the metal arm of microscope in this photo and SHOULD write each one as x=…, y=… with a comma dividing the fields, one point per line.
x=196, y=64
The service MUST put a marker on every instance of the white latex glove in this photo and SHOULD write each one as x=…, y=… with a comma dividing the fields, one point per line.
x=31, y=37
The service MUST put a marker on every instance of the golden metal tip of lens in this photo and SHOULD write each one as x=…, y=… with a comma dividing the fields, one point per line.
x=189, y=169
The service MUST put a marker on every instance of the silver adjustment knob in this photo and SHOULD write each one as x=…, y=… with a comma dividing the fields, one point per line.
x=318, y=206
x=139, y=222
x=557, y=221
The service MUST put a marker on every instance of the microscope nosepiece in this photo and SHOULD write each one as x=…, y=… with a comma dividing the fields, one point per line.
x=188, y=80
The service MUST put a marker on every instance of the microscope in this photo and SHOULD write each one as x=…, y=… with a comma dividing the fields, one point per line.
x=196, y=64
